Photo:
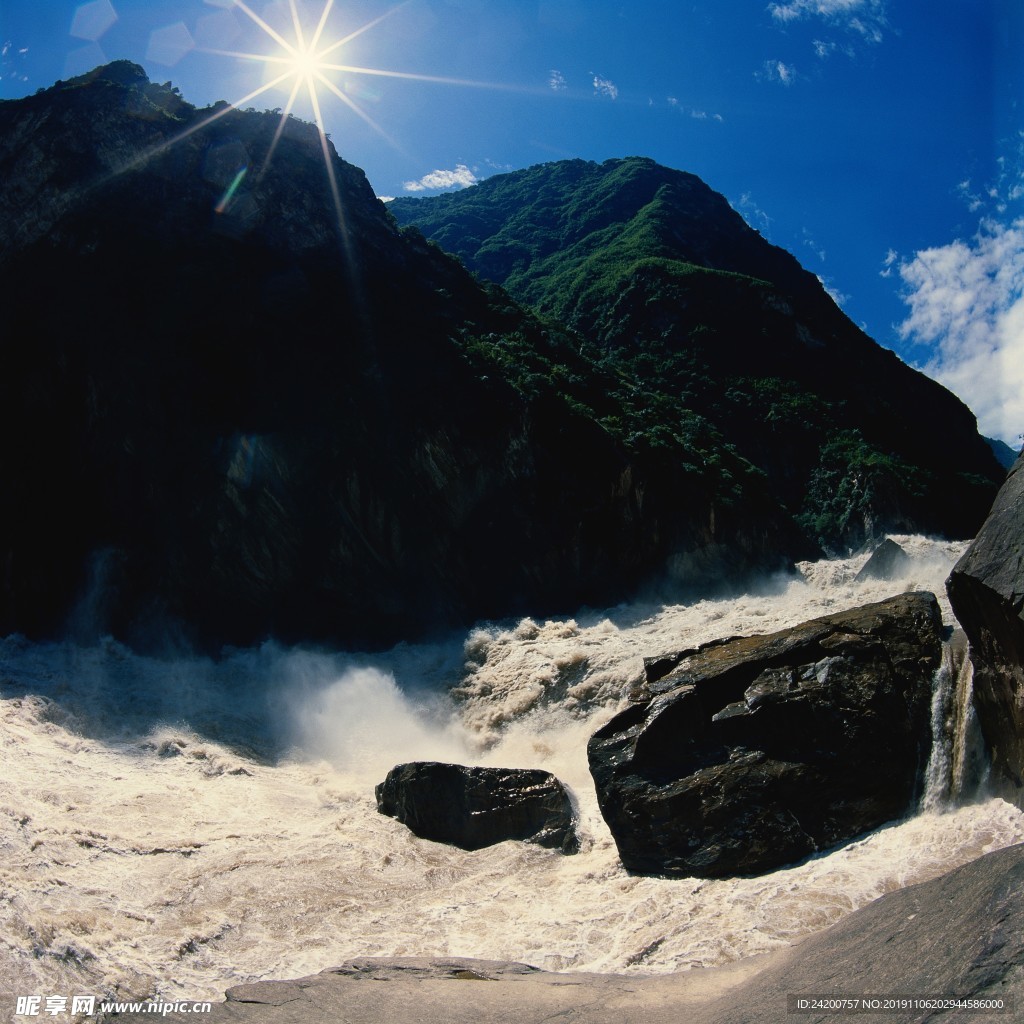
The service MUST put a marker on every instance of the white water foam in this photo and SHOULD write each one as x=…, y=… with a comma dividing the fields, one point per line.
x=175, y=828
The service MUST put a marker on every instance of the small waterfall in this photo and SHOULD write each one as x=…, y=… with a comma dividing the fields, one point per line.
x=958, y=766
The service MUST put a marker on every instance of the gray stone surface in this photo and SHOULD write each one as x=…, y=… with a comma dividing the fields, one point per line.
x=986, y=589
x=958, y=935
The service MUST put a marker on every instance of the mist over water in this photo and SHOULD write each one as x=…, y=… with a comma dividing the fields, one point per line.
x=175, y=827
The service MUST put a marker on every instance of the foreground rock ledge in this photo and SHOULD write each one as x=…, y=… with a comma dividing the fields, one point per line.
x=751, y=753
x=961, y=934
x=474, y=807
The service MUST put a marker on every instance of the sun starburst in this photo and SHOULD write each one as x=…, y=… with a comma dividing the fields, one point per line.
x=304, y=60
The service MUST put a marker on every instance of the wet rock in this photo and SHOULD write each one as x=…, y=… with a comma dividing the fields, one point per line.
x=986, y=589
x=887, y=562
x=473, y=807
x=750, y=753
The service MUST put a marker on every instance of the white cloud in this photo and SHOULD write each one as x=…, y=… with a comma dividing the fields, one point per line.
x=966, y=302
x=778, y=71
x=460, y=177
x=695, y=113
x=557, y=81
x=752, y=214
x=838, y=297
x=865, y=17
x=1007, y=186
x=10, y=62
x=604, y=87
x=813, y=245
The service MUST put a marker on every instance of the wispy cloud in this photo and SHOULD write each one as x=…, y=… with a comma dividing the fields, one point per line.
x=605, y=87
x=556, y=80
x=838, y=297
x=460, y=177
x=9, y=54
x=778, y=71
x=752, y=214
x=813, y=245
x=966, y=302
x=1006, y=187
x=693, y=112
x=970, y=197
x=867, y=18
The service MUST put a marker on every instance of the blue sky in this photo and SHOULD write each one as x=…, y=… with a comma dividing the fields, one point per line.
x=880, y=141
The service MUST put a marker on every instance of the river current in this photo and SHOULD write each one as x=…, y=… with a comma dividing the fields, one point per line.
x=175, y=826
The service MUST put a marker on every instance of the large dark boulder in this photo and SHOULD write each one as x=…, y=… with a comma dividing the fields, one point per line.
x=750, y=753
x=887, y=562
x=986, y=589
x=473, y=807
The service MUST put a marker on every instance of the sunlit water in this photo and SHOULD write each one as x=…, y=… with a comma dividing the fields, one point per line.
x=177, y=827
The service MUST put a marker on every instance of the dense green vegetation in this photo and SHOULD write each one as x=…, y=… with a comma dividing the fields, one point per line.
x=688, y=332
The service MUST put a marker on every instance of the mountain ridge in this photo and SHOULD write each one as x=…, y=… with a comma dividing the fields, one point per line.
x=665, y=282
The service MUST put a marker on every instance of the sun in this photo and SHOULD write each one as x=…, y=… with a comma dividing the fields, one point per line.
x=307, y=58
x=305, y=63
x=303, y=60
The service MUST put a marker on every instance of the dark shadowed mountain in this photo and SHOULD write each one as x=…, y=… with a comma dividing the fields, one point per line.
x=706, y=328
x=227, y=413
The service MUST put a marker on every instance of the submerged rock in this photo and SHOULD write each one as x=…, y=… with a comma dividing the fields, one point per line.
x=887, y=562
x=473, y=807
x=986, y=590
x=750, y=753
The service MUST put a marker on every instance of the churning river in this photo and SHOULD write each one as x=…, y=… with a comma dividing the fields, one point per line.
x=176, y=826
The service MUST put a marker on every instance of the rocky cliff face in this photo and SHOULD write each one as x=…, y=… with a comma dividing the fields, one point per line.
x=986, y=589
x=724, y=335
x=227, y=411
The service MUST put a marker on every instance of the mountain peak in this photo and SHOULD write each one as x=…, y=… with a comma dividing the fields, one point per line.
x=523, y=229
x=120, y=72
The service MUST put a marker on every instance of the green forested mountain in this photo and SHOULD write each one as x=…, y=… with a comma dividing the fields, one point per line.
x=715, y=341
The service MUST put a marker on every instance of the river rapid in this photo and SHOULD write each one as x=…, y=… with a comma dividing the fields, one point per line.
x=174, y=826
